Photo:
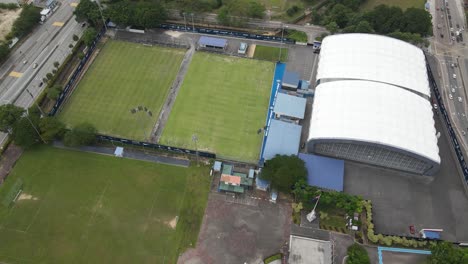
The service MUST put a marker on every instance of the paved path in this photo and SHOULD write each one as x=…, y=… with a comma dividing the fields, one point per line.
x=130, y=154
x=166, y=110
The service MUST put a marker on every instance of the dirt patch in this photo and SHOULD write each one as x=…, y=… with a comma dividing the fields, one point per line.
x=251, y=51
x=173, y=223
x=8, y=160
x=25, y=196
x=7, y=17
x=174, y=34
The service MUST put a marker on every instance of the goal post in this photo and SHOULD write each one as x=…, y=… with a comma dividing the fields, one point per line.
x=13, y=193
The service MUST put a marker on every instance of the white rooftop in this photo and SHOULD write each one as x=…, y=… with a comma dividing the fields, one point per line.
x=373, y=57
x=375, y=113
x=304, y=250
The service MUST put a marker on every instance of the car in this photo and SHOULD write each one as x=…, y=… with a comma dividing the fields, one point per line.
x=450, y=96
x=441, y=35
x=40, y=84
x=25, y=61
x=435, y=106
x=451, y=29
x=34, y=65
x=453, y=90
x=452, y=65
x=454, y=76
x=459, y=99
x=83, y=24
x=242, y=48
x=458, y=26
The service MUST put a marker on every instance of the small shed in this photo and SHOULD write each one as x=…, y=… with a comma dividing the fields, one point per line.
x=217, y=166
x=289, y=106
x=251, y=173
x=212, y=43
x=227, y=169
x=290, y=80
x=119, y=151
x=261, y=184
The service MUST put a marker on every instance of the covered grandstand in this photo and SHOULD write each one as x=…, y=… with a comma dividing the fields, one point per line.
x=372, y=104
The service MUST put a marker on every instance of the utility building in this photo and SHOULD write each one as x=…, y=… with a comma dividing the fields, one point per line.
x=372, y=104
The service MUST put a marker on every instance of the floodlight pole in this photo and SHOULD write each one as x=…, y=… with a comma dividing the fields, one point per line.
x=195, y=139
x=193, y=24
x=281, y=46
x=37, y=131
x=32, y=97
x=185, y=21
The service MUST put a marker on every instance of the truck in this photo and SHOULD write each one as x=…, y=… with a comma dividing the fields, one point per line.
x=45, y=13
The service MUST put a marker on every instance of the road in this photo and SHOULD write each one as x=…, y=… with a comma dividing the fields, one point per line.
x=20, y=78
x=452, y=54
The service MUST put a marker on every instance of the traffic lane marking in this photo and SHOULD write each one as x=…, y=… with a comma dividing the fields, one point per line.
x=58, y=24
x=15, y=74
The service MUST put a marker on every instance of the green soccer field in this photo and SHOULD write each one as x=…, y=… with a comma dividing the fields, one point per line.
x=124, y=76
x=78, y=207
x=223, y=101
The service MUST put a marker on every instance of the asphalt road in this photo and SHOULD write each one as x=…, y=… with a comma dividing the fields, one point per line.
x=452, y=55
x=49, y=42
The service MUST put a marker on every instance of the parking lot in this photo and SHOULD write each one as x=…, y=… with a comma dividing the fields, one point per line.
x=400, y=199
x=240, y=231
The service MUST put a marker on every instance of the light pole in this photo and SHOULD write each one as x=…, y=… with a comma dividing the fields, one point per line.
x=195, y=140
x=100, y=11
x=37, y=131
x=193, y=24
x=185, y=21
x=282, y=34
x=32, y=97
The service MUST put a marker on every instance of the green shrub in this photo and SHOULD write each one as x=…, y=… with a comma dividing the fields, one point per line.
x=357, y=254
x=272, y=258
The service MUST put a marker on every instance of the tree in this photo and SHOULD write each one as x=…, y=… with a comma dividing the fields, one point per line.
x=28, y=19
x=446, y=253
x=56, y=64
x=24, y=133
x=87, y=10
x=54, y=92
x=82, y=134
x=89, y=35
x=9, y=115
x=357, y=254
x=284, y=171
x=340, y=14
x=49, y=76
x=51, y=128
x=256, y=10
x=4, y=51
x=363, y=27
x=417, y=21
x=75, y=37
x=385, y=19
x=332, y=27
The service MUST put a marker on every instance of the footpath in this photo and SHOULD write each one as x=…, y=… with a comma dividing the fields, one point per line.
x=129, y=154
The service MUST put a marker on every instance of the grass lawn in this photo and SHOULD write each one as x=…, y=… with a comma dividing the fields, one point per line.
x=297, y=35
x=79, y=207
x=224, y=101
x=123, y=76
x=404, y=4
x=270, y=53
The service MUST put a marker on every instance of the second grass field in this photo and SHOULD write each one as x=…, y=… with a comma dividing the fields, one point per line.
x=223, y=101
x=124, y=76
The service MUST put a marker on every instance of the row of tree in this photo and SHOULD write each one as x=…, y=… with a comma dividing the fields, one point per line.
x=28, y=128
x=23, y=25
x=410, y=25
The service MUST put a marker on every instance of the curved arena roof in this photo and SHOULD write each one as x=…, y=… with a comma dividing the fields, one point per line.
x=375, y=113
x=373, y=57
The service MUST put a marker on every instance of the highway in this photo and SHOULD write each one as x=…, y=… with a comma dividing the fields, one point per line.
x=452, y=55
x=21, y=75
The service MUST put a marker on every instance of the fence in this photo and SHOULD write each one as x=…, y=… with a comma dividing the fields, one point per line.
x=156, y=146
x=77, y=72
x=453, y=137
x=227, y=33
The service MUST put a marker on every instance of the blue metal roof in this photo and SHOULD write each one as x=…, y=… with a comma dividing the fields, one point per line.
x=291, y=79
x=290, y=105
x=432, y=234
x=283, y=139
x=209, y=41
x=324, y=172
x=262, y=184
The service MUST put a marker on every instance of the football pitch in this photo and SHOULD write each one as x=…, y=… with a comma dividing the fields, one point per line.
x=124, y=76
x=78, y=207
x=223, y=101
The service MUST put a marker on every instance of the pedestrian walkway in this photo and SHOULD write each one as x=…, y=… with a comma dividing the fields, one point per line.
x=129, y=154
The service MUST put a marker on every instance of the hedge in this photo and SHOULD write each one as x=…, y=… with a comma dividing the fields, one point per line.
x=273, y=258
